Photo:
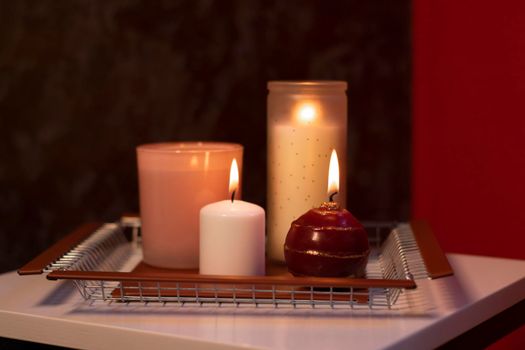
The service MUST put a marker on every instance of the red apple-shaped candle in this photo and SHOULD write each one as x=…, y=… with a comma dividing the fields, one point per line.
x=327, y=241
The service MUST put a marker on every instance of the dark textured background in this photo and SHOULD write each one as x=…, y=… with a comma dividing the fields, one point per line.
x=83, y=82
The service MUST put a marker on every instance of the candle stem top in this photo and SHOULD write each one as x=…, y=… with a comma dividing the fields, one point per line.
x=330, y=206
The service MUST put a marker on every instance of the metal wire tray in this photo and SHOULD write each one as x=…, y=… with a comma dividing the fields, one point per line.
x=104, y=262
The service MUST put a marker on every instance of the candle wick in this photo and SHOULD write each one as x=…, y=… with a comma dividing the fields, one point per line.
x=233, y=195
x=331, y=198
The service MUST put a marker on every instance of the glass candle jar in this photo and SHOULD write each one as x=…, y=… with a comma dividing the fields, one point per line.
x=175, y=181
x=306, y=121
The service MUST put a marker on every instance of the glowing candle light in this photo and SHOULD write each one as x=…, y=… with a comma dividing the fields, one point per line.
x=333, y=176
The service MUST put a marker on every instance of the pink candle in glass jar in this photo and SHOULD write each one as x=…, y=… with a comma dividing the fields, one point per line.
x=175, y=181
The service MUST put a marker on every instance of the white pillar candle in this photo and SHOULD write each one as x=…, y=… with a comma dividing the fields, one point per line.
x=232, y=237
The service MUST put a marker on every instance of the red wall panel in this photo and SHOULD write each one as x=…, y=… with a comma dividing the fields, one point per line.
x=468, y=176
x=469, y=124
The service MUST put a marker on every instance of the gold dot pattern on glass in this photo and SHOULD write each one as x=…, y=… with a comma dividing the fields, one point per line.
x=299, y=173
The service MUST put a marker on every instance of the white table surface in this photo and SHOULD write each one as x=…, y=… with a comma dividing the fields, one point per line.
x=35, y=309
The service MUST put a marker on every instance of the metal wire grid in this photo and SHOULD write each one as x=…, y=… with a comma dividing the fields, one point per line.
x=403, y=254
x=107, y=249
x=313, y=298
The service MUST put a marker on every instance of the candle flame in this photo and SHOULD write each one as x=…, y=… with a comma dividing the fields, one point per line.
x=333, y=174
x=307, y=113
x=234, y=176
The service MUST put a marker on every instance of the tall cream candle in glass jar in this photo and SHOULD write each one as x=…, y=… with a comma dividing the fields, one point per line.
x=306, y=121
